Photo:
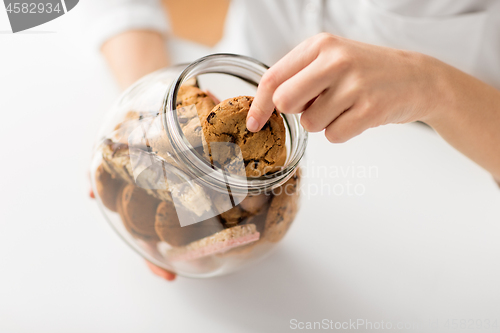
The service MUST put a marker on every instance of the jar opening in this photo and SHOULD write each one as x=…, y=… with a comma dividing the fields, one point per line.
x=250, y=71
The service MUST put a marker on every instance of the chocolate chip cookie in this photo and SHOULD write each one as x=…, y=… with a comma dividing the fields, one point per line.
x=192, y=102
x=283, y=209
x=107, y=187
x=192, y=105
x=137, y=210
x=254, y=204
x=262, y=152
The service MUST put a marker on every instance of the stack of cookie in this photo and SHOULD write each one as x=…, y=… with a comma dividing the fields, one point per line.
x=131, y=178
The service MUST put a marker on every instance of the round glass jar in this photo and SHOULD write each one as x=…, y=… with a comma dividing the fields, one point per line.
x=175, y=196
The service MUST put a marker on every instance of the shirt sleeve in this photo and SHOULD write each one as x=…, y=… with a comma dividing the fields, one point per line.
x=108, y=18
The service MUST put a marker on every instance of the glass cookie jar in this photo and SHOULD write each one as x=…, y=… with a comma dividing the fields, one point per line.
x=183, y=182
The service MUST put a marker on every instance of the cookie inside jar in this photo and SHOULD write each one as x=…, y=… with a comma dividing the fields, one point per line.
x=186, y=184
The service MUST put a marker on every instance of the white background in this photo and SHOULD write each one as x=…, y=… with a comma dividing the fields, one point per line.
x=420, y=246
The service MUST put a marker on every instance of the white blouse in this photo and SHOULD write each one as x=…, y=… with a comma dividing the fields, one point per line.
x=463, y=33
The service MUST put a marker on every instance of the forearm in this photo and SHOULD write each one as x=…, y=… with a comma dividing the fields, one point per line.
x=134, y=54
x=468, y=116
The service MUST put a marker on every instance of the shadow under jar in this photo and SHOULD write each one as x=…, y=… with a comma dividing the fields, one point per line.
x=185, y=203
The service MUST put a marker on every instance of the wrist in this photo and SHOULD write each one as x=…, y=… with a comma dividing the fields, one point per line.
x=440, y=96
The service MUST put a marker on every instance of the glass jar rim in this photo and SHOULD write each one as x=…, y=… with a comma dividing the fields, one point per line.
x=250, y=70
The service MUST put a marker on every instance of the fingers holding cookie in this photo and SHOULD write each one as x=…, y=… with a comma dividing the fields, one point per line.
x=262, y=152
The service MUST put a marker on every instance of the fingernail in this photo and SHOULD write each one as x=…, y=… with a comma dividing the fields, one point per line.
x=252, y=124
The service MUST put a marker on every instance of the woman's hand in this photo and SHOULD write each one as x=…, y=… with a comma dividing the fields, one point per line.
x=169, y=276
x=346, y=87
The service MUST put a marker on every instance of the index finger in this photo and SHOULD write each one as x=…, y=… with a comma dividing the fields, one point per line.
x=262, y=106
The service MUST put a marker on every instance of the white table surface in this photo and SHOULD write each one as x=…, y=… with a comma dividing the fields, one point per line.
x=419, y=246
